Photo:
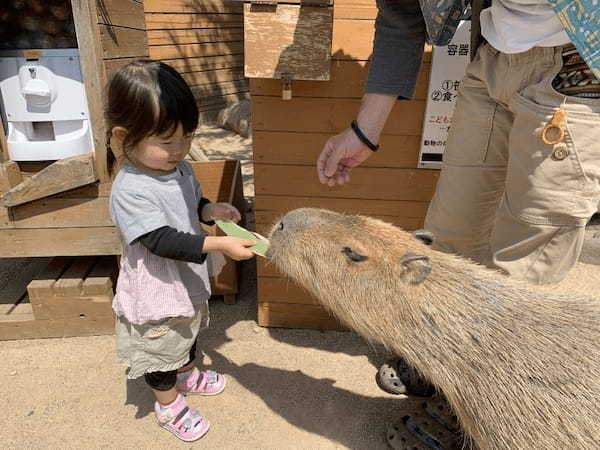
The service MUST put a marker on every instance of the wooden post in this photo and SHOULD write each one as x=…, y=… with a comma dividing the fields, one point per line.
x=4, y=157
x=94, y=75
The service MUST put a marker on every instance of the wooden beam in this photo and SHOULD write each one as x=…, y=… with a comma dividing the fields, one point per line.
x=19, y=243
x=94, y=76
x=4, y=156
x=65, y=174
x=61, y=213
x=10, y=176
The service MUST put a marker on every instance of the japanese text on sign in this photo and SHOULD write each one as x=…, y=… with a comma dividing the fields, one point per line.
x=447, y=70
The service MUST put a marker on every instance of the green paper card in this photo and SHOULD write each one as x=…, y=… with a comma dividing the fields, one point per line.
x=233, y=229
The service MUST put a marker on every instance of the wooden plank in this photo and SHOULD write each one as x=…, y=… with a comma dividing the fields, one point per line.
x=63, y=213
x=100, y=280
x=39, y=329
x=194, y=36
x=192, y=6
x=321, y=115
x=120, y=42
x=366, y=183
x=296, y=316
x=221, y=101
x=90, y=191
x=15, y=313
x=353, y=39
x=42, y=284
x=280, y=147
x=110, y=65
x=64, y=174
x=10, y=175
x=185, y=21
x=20, y=243
x=215, y=76
x=206, y=63
x=283, y=290
x=5, y=218
x=388, y=208
x=355, y=9
x=348, y=79
x=4, y=156
x=94, y=76
x=204, y=91
x=124, y=13
x=71, y=282
x=196, y=50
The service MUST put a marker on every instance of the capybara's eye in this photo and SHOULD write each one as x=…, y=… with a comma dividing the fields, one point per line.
x=356, y=257
x=280, y=226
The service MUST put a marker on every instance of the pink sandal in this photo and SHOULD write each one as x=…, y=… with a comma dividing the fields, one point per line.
x=207, y=382
x=184, y=422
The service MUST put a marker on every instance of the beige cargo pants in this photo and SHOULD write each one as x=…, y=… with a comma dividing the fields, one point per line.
x=504, y=197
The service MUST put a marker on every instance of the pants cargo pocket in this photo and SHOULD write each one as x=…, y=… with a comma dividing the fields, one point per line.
x=553, y=183
x=475, y=110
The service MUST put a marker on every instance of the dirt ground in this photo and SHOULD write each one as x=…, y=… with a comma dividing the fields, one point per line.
x=287, y=389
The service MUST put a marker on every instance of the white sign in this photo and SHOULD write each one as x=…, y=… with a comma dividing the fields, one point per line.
x=447, y=70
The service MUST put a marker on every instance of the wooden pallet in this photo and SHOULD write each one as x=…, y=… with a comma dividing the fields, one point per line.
x=69, y=297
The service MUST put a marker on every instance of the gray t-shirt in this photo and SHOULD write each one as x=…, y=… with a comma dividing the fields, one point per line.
x=141, y=203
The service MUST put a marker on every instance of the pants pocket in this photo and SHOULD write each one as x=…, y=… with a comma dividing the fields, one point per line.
x=472, y=120
x=555, y=184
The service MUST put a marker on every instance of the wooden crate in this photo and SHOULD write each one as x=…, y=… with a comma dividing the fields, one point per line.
x=69, y=297
x=289, y=135
x=78, y=223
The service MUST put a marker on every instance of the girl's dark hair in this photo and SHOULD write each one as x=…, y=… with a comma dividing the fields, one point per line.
x=147, y=98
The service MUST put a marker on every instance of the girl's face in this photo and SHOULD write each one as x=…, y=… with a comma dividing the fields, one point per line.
x=163, y=152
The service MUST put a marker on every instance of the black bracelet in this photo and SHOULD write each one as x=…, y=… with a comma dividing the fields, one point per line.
x=362, y=137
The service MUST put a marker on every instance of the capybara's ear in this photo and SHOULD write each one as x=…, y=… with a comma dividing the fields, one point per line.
x=417, y=267
x=426, y=237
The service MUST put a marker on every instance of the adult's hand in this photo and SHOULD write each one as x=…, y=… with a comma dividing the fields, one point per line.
x=345, y=151
x=340, y=155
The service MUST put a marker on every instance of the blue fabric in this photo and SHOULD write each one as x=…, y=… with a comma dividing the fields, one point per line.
x=581, y=19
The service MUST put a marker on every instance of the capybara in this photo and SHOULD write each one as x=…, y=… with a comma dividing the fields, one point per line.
x=520, y=369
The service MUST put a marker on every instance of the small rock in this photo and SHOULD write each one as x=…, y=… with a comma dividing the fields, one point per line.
x=30, y=413
x=13, y=373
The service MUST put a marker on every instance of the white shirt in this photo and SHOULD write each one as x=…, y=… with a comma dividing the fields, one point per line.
x=514, y=26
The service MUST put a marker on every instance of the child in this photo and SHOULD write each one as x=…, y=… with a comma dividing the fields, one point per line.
x=163, y=288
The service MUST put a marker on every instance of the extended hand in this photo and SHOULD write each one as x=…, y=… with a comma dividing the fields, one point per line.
x=340, y=155
x=237, y=248
x=223, y=211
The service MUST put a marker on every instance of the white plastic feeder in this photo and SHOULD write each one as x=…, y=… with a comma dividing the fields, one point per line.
x=44, y=105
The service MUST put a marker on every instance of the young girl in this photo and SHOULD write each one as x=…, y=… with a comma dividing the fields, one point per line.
x=163, y=288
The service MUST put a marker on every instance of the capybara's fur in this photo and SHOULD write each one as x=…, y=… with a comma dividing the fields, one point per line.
x=520, y=369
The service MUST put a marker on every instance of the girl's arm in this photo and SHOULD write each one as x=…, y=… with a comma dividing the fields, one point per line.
x=167, y=242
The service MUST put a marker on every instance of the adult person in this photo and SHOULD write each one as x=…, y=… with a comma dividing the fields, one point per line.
x=505, y=198
x=521, y=169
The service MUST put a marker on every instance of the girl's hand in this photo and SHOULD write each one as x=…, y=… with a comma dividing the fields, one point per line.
x=223, y=211
x=237, y=248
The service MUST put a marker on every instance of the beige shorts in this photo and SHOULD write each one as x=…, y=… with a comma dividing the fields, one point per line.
x=505, y=198
x=159, y=346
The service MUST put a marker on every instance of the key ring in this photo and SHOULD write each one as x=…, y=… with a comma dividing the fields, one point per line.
x=556, y=125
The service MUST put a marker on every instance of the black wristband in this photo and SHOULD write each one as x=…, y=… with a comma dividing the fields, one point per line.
x=362, y=137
